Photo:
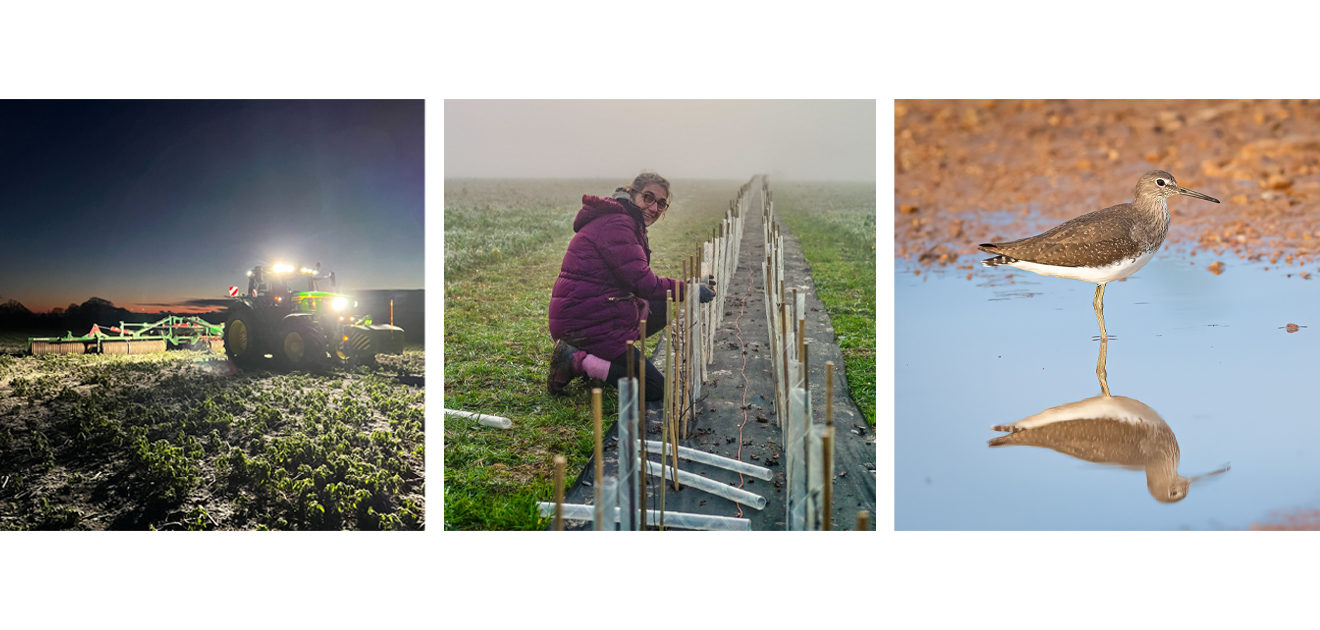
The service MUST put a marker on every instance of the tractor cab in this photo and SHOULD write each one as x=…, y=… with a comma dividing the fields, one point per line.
x=295, y=315
x=302, y=288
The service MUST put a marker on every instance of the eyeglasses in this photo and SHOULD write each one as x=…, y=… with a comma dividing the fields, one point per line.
x=649, y=199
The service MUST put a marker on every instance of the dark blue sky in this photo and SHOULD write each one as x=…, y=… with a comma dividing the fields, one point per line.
x=158, y=205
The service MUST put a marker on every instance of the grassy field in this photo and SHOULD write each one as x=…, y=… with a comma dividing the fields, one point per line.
x=835, y=224
x=504, y=241
x=179, y=440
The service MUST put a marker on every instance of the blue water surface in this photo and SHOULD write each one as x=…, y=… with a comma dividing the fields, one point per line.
x=1209, y=353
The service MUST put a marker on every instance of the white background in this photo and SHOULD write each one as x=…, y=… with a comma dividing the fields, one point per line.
x=709, y=49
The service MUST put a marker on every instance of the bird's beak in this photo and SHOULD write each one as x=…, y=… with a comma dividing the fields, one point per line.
x=1209, y=474
x=1193, y=193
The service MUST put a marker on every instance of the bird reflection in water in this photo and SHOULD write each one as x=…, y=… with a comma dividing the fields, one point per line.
x=1109, y=429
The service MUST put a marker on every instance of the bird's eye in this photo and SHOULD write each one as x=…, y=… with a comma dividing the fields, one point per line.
x=1159, y=182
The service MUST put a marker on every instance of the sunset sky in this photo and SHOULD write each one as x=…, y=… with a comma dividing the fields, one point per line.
x=161, y=205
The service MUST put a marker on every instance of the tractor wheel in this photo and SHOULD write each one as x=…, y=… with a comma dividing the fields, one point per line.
x=301, y=346
x=241, y=343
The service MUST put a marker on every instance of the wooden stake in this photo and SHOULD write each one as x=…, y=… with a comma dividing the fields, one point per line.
x=597, y=488
x=559, y=492
x=863, y=518
x=829, y=393
x=827, y=461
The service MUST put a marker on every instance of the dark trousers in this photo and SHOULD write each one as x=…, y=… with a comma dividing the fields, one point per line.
x=655, y=381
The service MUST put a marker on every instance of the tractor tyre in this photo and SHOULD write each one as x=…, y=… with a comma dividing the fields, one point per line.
x=300, y=346
x=241, y=342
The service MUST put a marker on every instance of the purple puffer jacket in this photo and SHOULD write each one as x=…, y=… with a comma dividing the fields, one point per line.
x=605, y=281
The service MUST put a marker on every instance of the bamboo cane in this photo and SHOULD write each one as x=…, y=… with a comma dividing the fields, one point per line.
x=597, y=488
x=559, y=493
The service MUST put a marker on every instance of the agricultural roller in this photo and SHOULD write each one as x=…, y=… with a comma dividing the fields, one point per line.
x=135, y=338
x=293, y=316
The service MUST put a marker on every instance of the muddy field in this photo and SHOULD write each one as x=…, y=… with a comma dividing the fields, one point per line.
x=969, y=172
x=181, y=440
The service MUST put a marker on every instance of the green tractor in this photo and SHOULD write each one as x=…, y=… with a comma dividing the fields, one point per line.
x=294, y=316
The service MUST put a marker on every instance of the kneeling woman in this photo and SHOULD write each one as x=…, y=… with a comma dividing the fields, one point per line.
x=606, y=287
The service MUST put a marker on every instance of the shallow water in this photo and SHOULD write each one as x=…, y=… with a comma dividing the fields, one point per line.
x=1209, y=354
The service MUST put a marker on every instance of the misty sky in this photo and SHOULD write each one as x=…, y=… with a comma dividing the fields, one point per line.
x=799, y=140
x=158, y=205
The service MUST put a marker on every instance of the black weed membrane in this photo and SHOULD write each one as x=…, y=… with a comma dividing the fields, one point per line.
x=756, y=430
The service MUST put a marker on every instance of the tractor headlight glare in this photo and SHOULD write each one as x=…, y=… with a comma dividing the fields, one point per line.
x=338, y=303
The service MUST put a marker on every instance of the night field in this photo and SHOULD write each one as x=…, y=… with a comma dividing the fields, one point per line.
x=180, y=440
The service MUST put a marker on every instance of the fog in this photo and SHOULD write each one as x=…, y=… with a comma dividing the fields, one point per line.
x=799, y=140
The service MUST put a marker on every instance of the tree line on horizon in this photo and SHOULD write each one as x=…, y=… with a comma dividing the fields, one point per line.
x=78, y=318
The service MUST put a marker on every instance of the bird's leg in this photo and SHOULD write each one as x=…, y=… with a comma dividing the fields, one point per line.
x=1100, y=373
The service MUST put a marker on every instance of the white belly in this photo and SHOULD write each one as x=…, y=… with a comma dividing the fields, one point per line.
x=1094, y=275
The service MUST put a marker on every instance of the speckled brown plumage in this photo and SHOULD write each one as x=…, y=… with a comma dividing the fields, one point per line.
x=1091, y=240
x=1122, y=232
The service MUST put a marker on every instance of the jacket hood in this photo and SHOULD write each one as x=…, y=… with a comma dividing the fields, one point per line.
x=595, y=207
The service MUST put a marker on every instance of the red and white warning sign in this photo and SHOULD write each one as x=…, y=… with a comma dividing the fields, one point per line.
x=233, y=291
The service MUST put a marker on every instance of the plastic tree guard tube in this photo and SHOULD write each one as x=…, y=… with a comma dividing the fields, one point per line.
x=718, y=461
x=609, y=504
x=716, y=488
x=496, y=422
x=680, y=520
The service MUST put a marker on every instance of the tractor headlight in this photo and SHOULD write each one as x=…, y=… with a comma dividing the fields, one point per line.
x=338, y=303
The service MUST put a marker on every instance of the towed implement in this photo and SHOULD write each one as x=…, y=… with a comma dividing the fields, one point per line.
x=135, y=338
x=295, y=318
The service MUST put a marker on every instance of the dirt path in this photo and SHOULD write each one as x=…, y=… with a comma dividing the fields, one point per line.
x=736, y=417
x=969, y=172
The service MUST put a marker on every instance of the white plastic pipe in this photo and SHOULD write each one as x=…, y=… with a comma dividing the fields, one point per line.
x=680, y=520
x=496, y=422
x=716, y=488
x=718, y=461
